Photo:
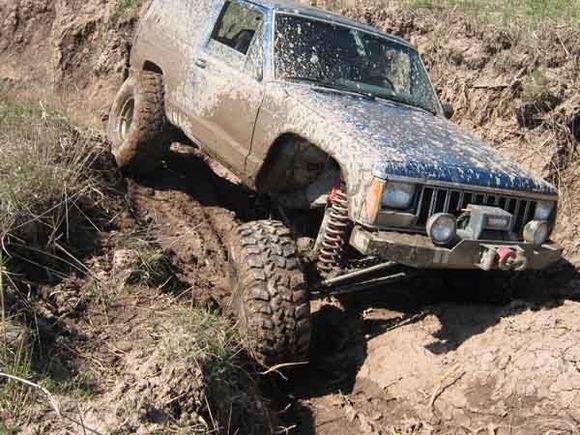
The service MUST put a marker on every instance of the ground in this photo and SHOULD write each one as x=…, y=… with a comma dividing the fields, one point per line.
x=434, y=355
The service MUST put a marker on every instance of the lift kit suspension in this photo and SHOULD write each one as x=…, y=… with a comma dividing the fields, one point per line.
x=334, y=231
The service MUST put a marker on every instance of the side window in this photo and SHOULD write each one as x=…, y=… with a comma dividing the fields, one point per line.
x=234, y=32
x=255, y=58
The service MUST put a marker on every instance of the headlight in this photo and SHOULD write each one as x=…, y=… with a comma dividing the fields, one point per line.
x=442, y=227
x=398, y=195
x=536, y=232
x=544, y=210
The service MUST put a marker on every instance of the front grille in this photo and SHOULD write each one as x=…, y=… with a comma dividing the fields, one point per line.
x=433, y=200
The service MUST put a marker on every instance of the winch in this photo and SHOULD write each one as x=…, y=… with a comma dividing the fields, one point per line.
x=482, y=219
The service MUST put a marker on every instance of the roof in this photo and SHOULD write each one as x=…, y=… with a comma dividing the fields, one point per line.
x=316, y=13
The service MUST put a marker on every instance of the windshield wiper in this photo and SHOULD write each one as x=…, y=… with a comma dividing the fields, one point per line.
x=327, y=84
x=338, y=87
x=405, y=102
x=302, y=79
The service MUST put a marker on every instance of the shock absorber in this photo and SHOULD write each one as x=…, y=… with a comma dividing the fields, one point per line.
x=333, y=231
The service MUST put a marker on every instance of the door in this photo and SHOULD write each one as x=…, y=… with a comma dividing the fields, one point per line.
x=227, y=81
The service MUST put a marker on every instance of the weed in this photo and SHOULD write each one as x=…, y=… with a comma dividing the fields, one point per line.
x=125, y=7
x=14, y=361
x=5, y=429
x=153, y=269
x=46, y=179
x=535, y=85
x=202, y=334
x=81, y=385
x=100, y=295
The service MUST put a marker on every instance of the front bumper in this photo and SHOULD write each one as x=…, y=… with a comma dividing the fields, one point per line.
x=416, y=250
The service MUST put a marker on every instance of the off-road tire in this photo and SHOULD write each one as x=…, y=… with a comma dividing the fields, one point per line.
x=139, y=148
x=269, y=294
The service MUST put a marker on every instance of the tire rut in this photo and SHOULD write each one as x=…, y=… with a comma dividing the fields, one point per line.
x=182, y=206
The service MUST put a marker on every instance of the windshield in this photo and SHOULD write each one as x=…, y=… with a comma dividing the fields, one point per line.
x=348, y=59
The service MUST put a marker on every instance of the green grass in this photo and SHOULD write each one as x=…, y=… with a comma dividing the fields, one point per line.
x=153, y=268
x=14, y=396
x=15, y=360
x=39, y=165
x=535, y=85
x=125, y=7
x=510, y=11
x=81, y=385
x=203, y=335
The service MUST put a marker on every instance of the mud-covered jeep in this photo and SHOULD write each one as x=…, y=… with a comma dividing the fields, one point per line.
x=338, y=125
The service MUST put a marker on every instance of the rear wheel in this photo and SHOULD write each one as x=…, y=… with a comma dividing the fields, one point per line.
x=137, y=125
x=269, y=295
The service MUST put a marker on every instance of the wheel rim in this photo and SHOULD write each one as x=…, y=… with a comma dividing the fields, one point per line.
x=126, y=118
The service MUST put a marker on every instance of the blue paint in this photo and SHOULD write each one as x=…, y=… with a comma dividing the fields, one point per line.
x=409, y=142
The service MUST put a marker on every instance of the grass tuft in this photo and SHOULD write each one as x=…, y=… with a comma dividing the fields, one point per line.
x=209, y=341
x=42, y=162
x=535, y=85
x=45, y=180
x=126, y=7
x=153, y=268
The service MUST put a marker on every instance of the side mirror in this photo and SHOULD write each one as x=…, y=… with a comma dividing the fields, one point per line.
x=448, y=110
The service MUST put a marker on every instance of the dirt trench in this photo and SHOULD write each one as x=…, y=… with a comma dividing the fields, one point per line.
x=426, y=357
x=432, y=355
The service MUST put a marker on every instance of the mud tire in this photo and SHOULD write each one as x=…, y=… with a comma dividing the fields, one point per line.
x=139, y=148
x=269, y=294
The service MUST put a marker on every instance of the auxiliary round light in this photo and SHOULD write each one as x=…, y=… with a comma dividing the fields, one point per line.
x=441, y=227
x=536, y=232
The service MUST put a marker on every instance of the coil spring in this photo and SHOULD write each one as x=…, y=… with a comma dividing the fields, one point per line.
x=334, y=233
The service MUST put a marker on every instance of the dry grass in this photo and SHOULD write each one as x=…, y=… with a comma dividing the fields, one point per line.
x=209, y=342
x=43, y=170
x=47, y=182
x=46, y=179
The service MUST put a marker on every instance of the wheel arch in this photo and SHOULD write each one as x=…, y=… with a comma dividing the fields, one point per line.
x=274, y=155
x=151, y=66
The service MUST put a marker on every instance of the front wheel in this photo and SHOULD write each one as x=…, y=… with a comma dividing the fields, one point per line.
x=269, y=295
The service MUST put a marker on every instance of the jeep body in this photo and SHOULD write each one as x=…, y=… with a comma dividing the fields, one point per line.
x=306, y=106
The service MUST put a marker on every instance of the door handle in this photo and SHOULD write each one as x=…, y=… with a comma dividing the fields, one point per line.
x=200, y=62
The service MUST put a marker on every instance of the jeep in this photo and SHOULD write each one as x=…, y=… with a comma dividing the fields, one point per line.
x=339, y=126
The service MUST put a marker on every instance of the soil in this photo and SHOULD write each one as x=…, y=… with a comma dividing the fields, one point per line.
x=436, y=355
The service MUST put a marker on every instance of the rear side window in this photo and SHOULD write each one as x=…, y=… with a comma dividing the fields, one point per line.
x=237, y=26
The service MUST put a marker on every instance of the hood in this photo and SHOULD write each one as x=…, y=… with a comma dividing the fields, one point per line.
x=408, y=142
